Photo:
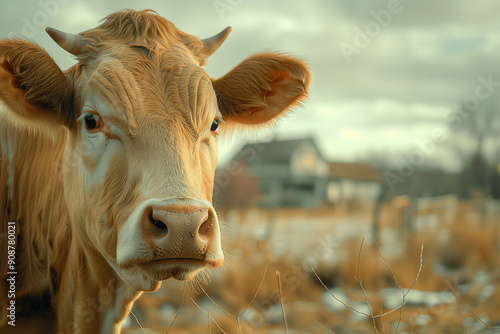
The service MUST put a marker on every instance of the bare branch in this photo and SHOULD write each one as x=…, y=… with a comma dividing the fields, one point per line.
x=256, y=292
x=217, y=305
x=465, y=330
x=382, y=319
x=399, y=286
x=373, y=317
x=281, y=300
x=325, y=329
x=360, y=282
x=208, y=314
x=419, y=270
x=246, y=308
x=239, y=326
x=459, y=300
x=409, y=289
x=178, y=311
x=209, y=329
x=142, y=329
x=385, y=261
x=332, y=294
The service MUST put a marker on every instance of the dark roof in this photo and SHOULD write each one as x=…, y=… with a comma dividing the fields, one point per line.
x=353, y=171
x=273, y=152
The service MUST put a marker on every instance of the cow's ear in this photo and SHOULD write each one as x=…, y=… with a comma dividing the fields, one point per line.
x=32, y=87
x=261, y=88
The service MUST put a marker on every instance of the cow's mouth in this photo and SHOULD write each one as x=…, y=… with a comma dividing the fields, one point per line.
x=182, y=269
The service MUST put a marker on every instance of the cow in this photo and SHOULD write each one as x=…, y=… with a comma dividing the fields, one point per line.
x=107, y=169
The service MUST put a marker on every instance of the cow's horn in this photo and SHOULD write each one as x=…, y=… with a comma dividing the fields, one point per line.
x=72, y=43
x=211, y=44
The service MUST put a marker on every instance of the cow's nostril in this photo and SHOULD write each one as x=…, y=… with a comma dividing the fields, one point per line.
x=157, y=223
x=206, y=228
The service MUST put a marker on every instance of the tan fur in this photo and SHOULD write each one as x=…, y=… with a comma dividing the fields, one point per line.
x=40, y=214
x=69, y=203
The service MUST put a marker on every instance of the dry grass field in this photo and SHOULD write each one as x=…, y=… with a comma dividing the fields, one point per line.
x=334, y=277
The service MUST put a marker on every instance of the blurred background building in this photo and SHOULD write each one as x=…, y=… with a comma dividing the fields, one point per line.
x=295, y=173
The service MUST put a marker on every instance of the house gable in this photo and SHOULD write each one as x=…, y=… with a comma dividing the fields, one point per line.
x=307, y=161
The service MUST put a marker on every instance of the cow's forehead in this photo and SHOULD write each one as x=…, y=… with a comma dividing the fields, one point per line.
x=160, y=88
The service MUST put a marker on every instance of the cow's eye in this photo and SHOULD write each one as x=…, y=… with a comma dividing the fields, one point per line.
x=92, y=121
x=215, y=126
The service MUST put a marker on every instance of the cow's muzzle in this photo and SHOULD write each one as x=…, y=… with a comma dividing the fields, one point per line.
x=178, y=231
x=179, y=237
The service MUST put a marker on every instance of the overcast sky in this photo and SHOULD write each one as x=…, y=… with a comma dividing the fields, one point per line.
x=385, y=72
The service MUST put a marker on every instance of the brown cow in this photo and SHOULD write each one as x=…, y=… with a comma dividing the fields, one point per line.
x=107, y=169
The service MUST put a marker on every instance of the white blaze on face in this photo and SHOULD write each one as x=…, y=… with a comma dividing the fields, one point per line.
x=132, y=247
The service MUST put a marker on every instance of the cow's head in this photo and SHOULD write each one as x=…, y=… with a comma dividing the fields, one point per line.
x=142, y=121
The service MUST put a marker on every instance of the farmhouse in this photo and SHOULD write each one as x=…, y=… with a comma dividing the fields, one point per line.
x=296, y=173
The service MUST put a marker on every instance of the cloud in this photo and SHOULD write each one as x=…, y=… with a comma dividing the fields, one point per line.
x=425, y=59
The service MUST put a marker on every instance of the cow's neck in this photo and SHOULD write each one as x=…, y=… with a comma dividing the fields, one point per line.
x=98, y=300
x=31, y=197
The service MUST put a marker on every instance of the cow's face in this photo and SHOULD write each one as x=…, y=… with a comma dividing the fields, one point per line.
x=143, y=121
x=145, y=150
